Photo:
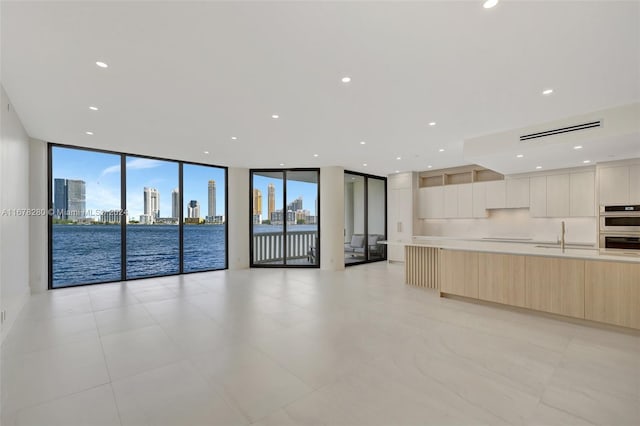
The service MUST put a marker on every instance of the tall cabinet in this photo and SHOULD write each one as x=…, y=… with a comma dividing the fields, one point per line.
x=400, y=213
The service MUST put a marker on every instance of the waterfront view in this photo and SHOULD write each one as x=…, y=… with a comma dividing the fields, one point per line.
x=84, y=254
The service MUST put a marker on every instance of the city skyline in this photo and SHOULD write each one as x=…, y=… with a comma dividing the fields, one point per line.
x=101, y=173
x=295, y=189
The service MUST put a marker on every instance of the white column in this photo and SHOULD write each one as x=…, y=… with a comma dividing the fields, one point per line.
x=38, y=256
x=332, y=218
x=238, y=220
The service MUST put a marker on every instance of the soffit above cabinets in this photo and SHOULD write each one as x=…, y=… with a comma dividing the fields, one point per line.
x=617, y=137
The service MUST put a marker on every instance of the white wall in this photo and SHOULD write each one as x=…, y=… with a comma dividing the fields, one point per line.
x=512, y=223
x=238, y=221
x=358, y=207
x=14, y=230
x=38, y=250
x=332, y=218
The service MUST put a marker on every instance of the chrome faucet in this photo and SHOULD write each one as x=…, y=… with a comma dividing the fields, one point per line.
x=562, y=237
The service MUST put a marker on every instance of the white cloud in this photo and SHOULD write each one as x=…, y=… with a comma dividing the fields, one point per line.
x=136, y=164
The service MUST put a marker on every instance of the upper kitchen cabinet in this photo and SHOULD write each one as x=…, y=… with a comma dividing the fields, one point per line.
x=496, y=194
x=558, y=195
x=619, y=183
x=479, y=202
x=517, y=193
x=582, y=194
x=613, y=185
x=563, y=195
x=431, y=202
x=538, y=196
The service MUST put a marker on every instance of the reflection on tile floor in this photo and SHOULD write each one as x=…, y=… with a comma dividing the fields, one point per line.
x=306, y=347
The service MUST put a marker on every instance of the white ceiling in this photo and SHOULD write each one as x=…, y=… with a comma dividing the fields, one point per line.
x=186, y=77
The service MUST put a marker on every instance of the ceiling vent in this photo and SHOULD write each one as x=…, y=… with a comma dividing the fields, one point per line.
x=583, y=126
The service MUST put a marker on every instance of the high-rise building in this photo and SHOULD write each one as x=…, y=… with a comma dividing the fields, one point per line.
x=151, y=203
x=295, y=205
x=60, y=198
x=271, y=191
x=211, y=212
x=257, y=202
x=69, y=199
x=193, y=209
x=175, y=203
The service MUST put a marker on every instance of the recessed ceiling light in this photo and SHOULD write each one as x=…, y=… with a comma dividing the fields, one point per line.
x=433, y=123
x=206, y=152
x=362, y=142
x=489, y=4
x=398, y=158
x=429, y=166
x=519, y=155
x=586, y=161
x=577, y=147
x=93, y=108
x=233, y=138
x=538, y=167
x=102, y=64
x=364, y=164
x=315, y=155
x=346, y=79
x=397, y=171
x=441, y=150
x=275, y=116
x=547, y=91
x=282, y=164
x=89, y=133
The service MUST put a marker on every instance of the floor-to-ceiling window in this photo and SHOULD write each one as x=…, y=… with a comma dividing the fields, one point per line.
x=115, y=217
x=285, y=217
x=204, y=217
x=85, y=231
x=153, y=237
x=365, y=206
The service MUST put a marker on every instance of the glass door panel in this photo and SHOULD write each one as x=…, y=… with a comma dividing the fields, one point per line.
x=376, y=218
x=354, y=219
x=268, y=218
x=203, y=216
x=85, y=230
x=302, y=218
x=153, y=239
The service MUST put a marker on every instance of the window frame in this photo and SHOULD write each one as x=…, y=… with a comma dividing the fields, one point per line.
x=284, y=264
x=366, y=177
x=123, y=226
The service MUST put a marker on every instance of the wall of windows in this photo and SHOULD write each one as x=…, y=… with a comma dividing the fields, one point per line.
x=285, y=217
x=116, y=217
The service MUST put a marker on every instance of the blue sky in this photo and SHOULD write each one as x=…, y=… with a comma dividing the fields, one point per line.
x=101, y=172
x=308, y=191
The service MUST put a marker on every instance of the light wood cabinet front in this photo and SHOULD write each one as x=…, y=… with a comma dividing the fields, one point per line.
x=501, y=278
x=555, y=285
x=459, y=273
x=612, y=293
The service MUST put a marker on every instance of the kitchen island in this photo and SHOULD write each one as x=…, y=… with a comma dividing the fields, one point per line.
x=578, y=282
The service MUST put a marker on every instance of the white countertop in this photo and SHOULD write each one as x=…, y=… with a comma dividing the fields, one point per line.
x=531, y=249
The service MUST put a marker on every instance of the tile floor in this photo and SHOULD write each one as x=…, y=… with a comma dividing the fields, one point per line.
x=306, y=347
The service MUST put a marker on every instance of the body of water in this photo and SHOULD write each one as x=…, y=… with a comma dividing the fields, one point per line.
x=85, y=254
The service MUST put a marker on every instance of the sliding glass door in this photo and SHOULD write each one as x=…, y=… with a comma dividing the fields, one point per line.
x=115, y=217
x=285, y=218
x=365, y=206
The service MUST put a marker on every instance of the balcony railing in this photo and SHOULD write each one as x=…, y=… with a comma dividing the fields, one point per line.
x=268, y=247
